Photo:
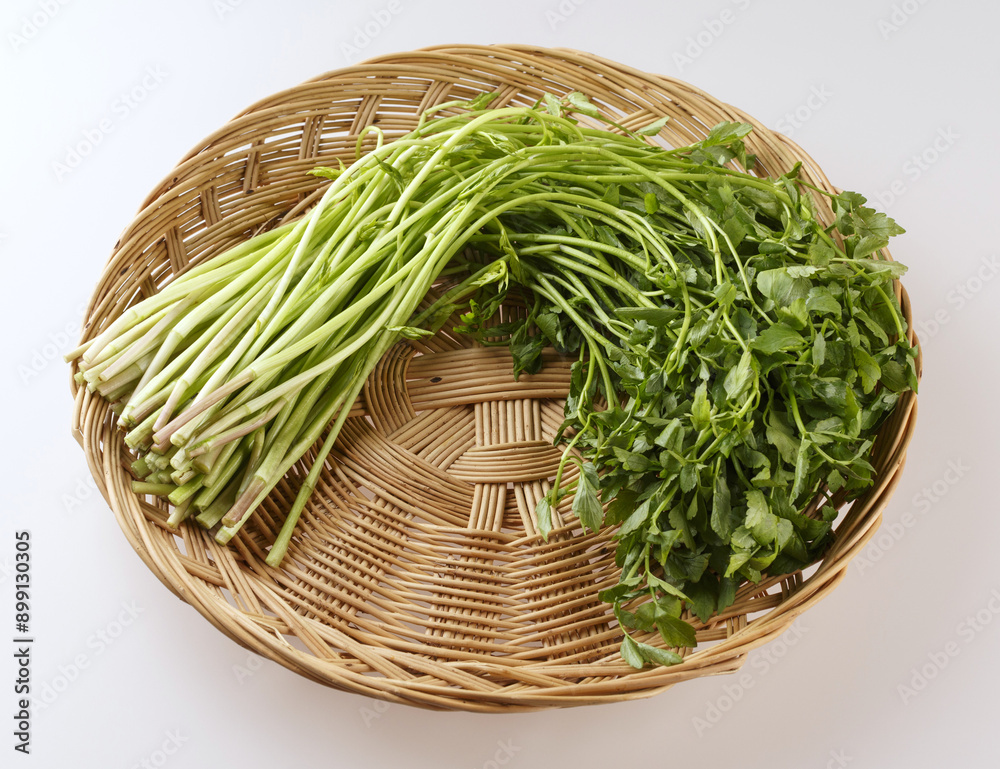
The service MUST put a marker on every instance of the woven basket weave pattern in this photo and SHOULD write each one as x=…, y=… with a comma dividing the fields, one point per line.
x=416, y=573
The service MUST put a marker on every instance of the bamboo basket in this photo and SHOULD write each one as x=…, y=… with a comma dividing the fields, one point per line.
x=416, y=574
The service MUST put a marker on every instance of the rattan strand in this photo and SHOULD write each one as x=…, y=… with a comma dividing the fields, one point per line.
x=416, y=574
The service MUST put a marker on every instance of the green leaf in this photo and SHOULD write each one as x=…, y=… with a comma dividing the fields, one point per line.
x=853, y=411
x=410, y=332
x=548, y=323
x=884, y=269
x=876, y=330
x=801, y=468
x=795, y=314
x=666, y=587
x=868, y=368
x=821, y=301
x=820, y=253
x=636, y=519
x=721, y=521
x=725, y=133
x=585, y=503
x=872, y=228
x=757, y=507
x=740, y=378
x=552, y=104
x=781, y=287
x=766, y=530
x=675, y=632
x=703, y=597
x=689, y=476
x=853, y=335
x=778, y=337
x=725, y=294
x=736, y=562
x=620, y=507
x=894, y=376
x=631, y=461
x=325, y=172
x=626, y=618
x=669, y=605
x=615, y=593
x=686, y=569
x=582, y=104
x=482, y=101
x=671, y=437
x=727, y=593
x=745, y=323
x=631, y=654
x=543, y=513
x=701, y=410
x=645, y=616
x=780, y=434
x=393, y=173
x=819, y=350
x=659, y=656
x=765, y=557
x=526, y=351
x=653, y=128
x=735, y=230
x=742, y=539
x=679, y=520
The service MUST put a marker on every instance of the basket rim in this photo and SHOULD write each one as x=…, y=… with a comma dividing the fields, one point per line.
x=91, y=422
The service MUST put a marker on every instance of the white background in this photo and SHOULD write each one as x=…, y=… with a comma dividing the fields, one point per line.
x=904, y=94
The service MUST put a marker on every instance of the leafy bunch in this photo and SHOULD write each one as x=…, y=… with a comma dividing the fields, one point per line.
x=735, y=359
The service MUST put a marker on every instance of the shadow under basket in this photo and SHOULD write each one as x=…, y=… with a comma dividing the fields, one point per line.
x=416, y=573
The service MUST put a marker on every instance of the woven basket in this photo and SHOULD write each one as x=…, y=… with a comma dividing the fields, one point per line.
x=416, y=574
